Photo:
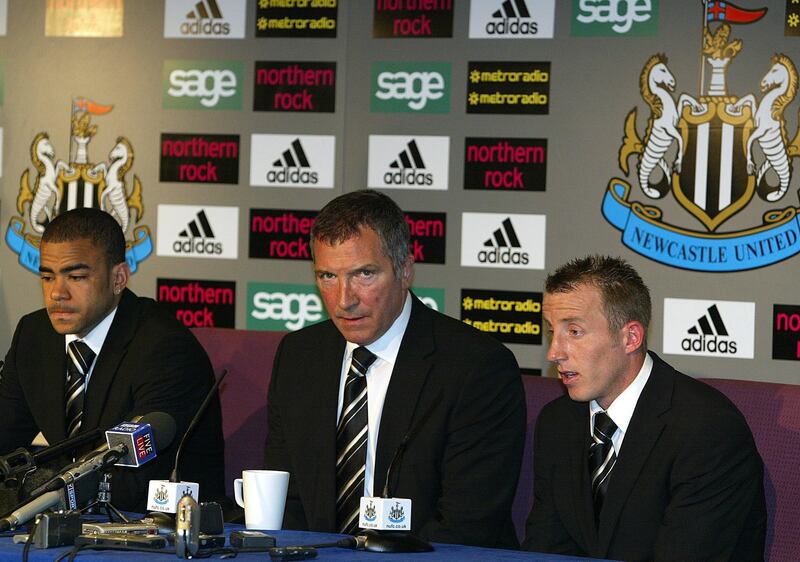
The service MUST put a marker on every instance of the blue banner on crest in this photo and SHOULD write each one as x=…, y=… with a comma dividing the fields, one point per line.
x=27, y=247
x=643, y=232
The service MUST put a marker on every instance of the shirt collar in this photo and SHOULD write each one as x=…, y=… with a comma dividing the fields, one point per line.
x=387, y=346
x=97, y=336
x=621, y=409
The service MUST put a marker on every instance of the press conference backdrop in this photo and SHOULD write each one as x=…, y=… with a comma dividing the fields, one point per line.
x=516, y=134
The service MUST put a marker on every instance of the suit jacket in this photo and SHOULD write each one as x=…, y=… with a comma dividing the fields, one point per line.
x=457, y=389
x=687, y=485
x=148, y=363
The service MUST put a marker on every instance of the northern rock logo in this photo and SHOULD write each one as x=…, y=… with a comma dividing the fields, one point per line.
x=714, y=153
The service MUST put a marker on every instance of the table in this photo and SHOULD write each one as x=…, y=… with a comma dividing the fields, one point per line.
x=446, y=552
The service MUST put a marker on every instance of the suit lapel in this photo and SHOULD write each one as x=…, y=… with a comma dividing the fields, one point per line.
x=52, y=375
x=643, y=432
x=107, y=363
x=408, y=378
x=580, y=486
x=318, y=426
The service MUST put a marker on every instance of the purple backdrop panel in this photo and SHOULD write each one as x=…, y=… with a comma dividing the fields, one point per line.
x=248, y=357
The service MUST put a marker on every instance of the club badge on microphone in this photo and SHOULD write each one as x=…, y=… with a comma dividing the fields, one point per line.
x=385, y=514
x=163, y=495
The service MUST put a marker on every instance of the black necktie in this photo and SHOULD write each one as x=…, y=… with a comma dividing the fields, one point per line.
x=351, y=442
x=79, y=360
x=601, y=458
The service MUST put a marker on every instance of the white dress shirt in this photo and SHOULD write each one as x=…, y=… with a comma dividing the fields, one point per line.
x=621, y=409
x=94, y=339
x=378, y=376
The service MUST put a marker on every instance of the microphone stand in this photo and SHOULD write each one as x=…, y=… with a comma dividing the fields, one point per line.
x=103, y=501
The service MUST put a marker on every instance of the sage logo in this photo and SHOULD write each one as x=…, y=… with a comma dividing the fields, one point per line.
x=204, y=19
x=411, y=87
x=197, y=84
x=592, y=18
x=292, y=160
x=430, y=297
x=190, y=231
x=511, y=19
x=786, y=332
x=401, y=162
x=709, y=328
x=283, y=307
x=503, y=240
x=199, y=302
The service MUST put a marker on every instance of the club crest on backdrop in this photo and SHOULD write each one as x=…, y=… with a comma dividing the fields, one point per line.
x=55, y=186
x=717, y=154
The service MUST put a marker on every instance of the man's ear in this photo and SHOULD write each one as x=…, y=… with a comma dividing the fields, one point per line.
x=633, y=336
x=407, y=274
x=120, y=274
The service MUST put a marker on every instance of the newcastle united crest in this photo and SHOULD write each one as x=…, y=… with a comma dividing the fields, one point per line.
x=55, y=186
x=716, y=154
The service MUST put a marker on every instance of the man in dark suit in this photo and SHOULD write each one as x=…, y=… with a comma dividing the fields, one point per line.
x=639, y=462
x=136, y=360
x=445, y=397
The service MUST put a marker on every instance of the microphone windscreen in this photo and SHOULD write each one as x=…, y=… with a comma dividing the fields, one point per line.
x=163, y=426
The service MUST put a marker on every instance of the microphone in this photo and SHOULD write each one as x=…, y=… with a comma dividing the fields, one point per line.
x=392, y=515
x=127, y=444
x=163, y=495
x=29, y=510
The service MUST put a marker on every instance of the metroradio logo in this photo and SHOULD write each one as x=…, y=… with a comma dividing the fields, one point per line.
x=187, y=231
x=709, y=328
x=292, y=160
x=209, y=19
x=511, y=19
x=408, y=162
x=497, y=240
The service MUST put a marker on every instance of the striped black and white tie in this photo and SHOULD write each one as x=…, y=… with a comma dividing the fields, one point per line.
x=351, y=442
x=601, y=458
x=79, y=360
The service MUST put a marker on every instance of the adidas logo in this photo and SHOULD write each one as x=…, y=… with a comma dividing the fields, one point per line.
x=513, y=18
x=200, y=20
x=407, y=163
x=200, y=10
x=709, y=334
x=197, y=238
x=289, y=167
x=503, y=242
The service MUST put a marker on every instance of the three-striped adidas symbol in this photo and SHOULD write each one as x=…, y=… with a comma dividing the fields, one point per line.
x=204, y=19
x=513, y=18
x=716, y=327
x=504, y=243
x=504, y=236
x=205, y=10
x=407, y=163
x=197, y=237
x=293, y=167
x=709, y=334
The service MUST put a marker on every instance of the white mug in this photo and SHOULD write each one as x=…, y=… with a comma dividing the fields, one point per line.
x=262, y=494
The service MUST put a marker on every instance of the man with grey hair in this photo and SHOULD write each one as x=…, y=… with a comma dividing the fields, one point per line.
x=639, y=461
x=387, y=377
